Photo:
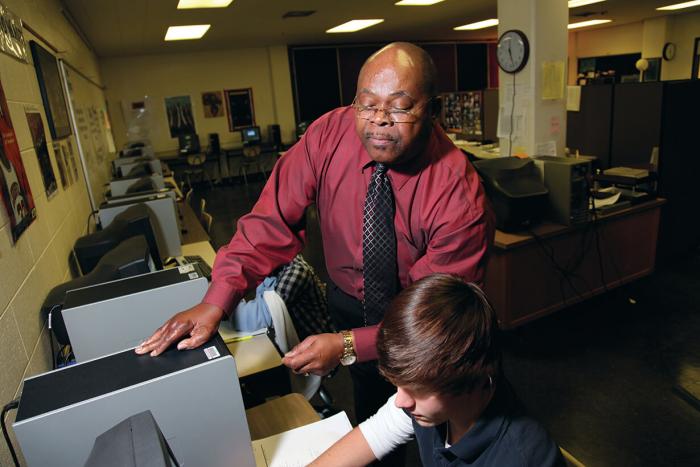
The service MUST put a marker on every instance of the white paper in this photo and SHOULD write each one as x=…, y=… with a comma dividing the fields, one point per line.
x=599, y=203
x=547, y=148
x=300, y=446
x=228, y=334
x=573, y=98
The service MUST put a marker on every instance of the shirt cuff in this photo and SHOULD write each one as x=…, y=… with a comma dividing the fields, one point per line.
x=365, y=340
x=221, y=295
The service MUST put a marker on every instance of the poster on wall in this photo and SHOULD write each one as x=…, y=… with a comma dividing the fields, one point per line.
x=180, y=116
x=51, y=89
x=14, y=185
x=36, y=128
x=239, y=104
x=71, y=155
x=65, y=183
x=11, y=38
x=213, y=104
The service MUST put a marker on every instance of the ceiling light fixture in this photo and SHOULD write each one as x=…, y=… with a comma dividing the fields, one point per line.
x=190, y=4
x=577, y=3
x=182, y=33
x=591, y=22
x=355, y=25
x=680, y=6
x=487, y=23
x=418, y=2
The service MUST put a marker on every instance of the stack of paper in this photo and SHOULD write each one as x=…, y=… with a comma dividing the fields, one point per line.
x=300, y=446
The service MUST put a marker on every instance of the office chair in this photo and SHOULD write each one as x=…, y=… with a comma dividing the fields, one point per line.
x=251, y=158
x=195, y=166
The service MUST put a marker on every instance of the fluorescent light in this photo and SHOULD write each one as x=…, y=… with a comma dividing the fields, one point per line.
x=417, y=2
x=591, y=22
x=679, y=6
x=188, y=4
x=181, y=33
x=575, y=3
x=355, y=25
x=487, y=23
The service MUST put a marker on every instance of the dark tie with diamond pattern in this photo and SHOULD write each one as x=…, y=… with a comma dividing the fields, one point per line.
x=378, y=246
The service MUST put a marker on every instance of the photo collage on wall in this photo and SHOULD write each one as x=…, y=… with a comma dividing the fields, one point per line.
x=462, y=112
x=14, y=185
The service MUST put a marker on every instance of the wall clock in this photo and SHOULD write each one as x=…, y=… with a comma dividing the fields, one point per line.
x=513, y=51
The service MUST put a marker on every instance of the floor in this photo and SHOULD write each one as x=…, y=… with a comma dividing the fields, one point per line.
x=608, y=378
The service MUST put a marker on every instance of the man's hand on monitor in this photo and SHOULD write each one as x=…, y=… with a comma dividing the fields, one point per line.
x=199, y=323
x=316, y=355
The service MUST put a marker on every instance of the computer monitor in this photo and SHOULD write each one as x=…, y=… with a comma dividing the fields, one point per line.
x=136, y=441
x=189, y=143
x=250, y=135
x=130, y=258
x=136, y=220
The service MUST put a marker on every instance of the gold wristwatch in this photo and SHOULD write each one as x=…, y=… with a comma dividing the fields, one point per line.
x=349, y=357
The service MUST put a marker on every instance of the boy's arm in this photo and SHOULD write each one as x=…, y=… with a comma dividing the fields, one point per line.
x=351, y=451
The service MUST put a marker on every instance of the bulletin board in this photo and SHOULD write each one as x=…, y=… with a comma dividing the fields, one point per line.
x=462, y=112
x=93, y=132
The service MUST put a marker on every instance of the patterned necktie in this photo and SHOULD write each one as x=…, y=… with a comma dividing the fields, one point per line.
x=378, y=247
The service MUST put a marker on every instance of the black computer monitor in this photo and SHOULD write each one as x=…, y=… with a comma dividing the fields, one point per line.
x=189, y=143
x=250, y=135
x=136, y=220
x=129, y=258
x=136, y=442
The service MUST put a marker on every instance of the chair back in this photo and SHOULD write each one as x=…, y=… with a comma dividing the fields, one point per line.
x=251, y=152
x=196, y=160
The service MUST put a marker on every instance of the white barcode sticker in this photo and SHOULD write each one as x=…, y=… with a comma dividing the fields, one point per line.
x=211, y=352
x=186, y=268
x=193, y=275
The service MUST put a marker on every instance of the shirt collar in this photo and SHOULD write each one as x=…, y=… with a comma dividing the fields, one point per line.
x=484, y=432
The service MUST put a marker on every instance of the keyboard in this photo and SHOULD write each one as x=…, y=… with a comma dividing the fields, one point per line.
x=199, y=263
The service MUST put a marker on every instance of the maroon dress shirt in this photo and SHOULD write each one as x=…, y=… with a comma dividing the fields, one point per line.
x=443, y=222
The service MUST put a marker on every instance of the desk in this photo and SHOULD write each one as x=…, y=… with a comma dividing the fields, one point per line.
x=278, y=415
x=190, y=222
x=523, y=284
x=478, y=151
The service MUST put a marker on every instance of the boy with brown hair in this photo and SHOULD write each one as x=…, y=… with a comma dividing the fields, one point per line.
x=438, y=345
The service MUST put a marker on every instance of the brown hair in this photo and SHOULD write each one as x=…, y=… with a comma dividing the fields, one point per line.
x=439, y=335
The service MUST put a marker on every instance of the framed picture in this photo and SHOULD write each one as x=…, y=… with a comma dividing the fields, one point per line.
x=41, y=148
x=213, y=104
x=51, y=88
x=653, y=73
x=239, y=105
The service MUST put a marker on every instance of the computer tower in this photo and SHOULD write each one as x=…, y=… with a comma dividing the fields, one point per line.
x=274, y=135
x=567, y=180
x=214, y=144
x=194, y=396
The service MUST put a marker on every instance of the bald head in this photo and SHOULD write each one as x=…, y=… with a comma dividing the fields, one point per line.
x=406, y=58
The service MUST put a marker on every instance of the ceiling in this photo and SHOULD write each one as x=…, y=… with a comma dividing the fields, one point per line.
x=137, y=27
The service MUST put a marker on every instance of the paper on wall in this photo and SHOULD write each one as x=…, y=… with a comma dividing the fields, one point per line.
x=573, y=98
x=552, y=80
x=547, y=148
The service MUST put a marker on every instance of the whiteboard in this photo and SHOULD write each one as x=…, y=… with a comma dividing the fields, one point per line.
x=93, y=131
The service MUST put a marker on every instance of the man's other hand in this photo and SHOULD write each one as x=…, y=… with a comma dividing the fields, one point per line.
x=199, y=323
x=317, y=354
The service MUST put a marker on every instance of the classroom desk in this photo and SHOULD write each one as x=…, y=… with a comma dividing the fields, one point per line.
x=278, y=415
x=523, y=283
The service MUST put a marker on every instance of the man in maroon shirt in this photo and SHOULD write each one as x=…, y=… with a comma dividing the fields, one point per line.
x=442, y=221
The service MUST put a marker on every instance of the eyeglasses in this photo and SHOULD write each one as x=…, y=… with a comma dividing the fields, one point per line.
x=368, y=112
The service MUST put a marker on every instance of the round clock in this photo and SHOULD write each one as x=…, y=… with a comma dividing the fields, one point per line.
x=513, y=51
x=669, y=51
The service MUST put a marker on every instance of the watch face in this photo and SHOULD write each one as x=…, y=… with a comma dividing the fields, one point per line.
x=348, y=360
x=513, y=51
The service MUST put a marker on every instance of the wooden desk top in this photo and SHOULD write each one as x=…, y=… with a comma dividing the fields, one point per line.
x=505, y=240
x=190, y=222
x=254, y=355
x=278, y=415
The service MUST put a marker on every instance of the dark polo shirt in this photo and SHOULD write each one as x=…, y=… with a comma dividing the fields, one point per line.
x=503, y=436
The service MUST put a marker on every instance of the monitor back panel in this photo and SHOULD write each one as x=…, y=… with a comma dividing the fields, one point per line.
x=119, y=315
x=119, y=186
x=199, y=409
